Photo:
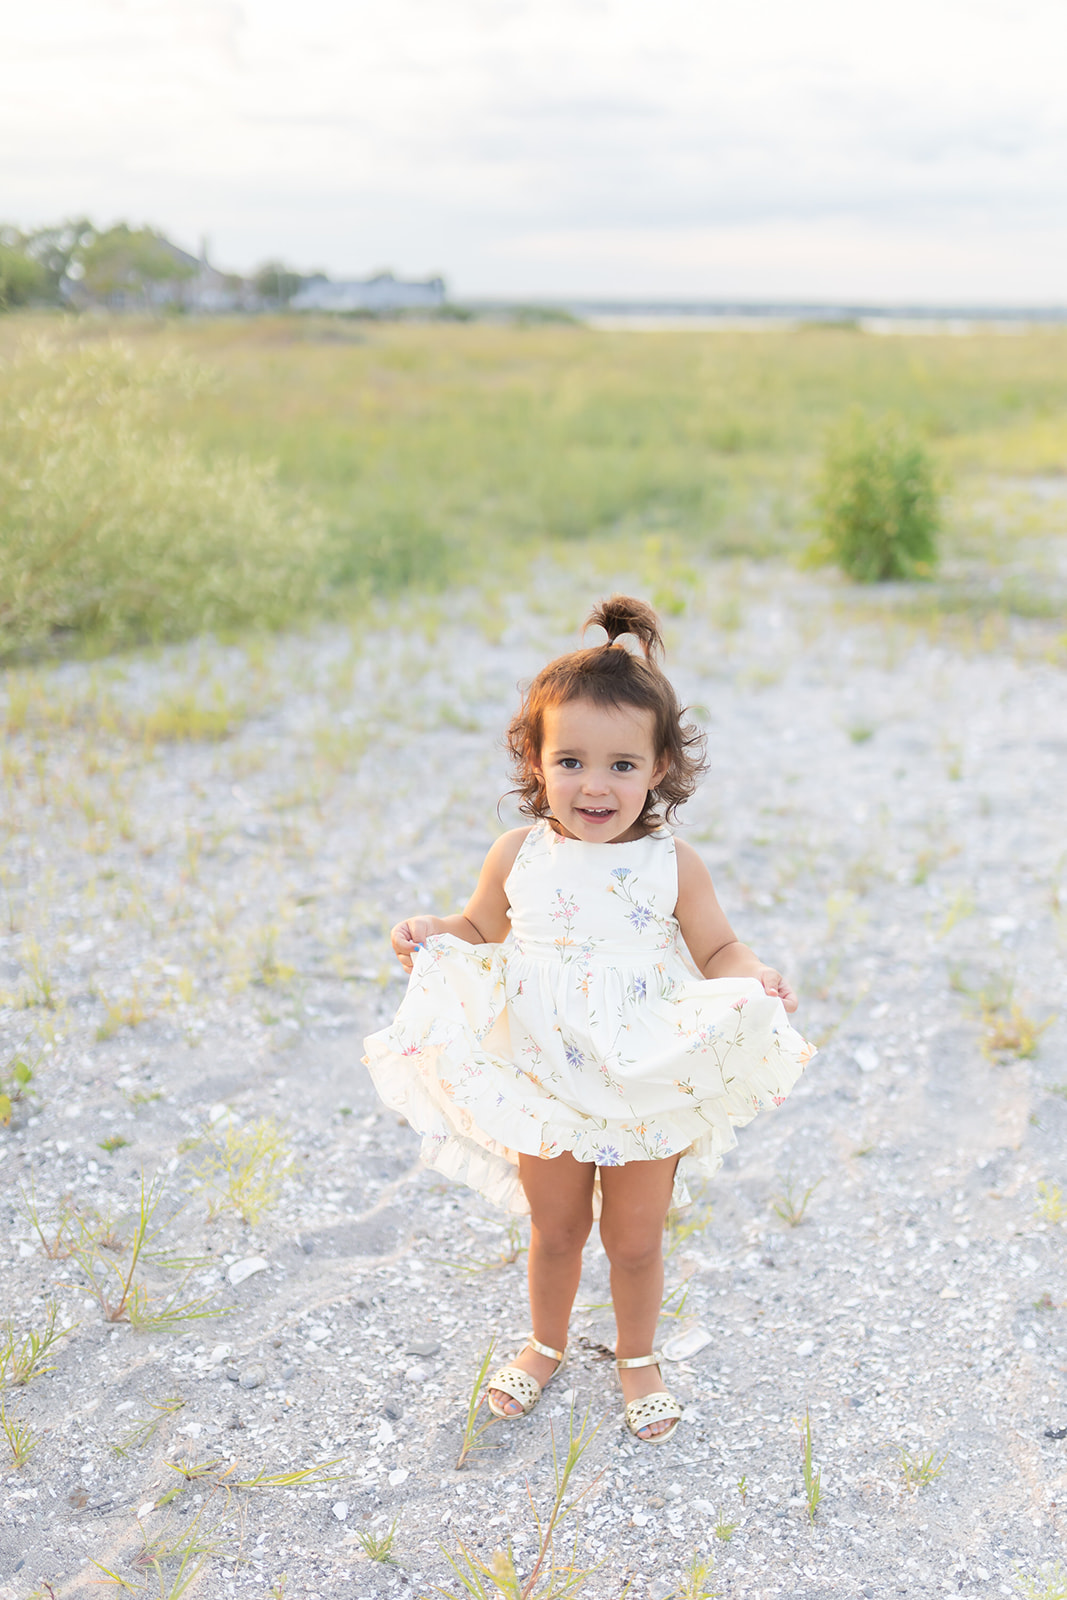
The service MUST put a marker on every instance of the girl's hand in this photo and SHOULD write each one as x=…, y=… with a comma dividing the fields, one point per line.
x=407, y=936
x=774, y=984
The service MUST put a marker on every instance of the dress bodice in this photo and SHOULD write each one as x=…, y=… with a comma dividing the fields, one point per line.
x=572, y=899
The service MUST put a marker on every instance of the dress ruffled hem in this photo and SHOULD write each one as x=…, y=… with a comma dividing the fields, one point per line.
x=444, y=1065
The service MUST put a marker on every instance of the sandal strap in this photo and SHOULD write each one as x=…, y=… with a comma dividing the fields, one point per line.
x=660, y=1407
x=518, y=1385
x=546, y=1349
x=639, y=1361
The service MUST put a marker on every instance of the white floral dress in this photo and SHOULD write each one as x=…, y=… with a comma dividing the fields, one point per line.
x=587, y=1031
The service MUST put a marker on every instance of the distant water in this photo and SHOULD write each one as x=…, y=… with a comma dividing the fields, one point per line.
x=696, y=316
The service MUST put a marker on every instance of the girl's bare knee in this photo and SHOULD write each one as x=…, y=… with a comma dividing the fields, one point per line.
x=632, y=1251
x=564, y=1236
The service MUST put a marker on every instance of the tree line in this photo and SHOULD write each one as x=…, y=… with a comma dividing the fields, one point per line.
x=74, y=261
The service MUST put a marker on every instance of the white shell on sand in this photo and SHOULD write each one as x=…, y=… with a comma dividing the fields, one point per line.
x=686, y=1344
x=246, y=1269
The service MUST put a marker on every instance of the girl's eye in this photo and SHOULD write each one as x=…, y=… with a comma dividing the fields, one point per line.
x=625, y=766
x=571, y=763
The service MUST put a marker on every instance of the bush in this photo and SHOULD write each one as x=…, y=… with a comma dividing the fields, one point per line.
x=877, y=503
x=21, y=278
x=113, y=525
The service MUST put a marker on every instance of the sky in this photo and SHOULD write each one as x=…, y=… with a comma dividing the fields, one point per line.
x=824, y=150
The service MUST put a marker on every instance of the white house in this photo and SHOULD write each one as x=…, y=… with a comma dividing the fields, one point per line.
x=383, y=292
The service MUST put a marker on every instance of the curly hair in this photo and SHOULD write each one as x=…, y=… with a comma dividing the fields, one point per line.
x=611, y=675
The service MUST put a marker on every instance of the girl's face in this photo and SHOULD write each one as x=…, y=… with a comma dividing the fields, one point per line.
x=597, y=765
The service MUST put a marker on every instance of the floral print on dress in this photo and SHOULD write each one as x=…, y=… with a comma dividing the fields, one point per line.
x=586, y=1032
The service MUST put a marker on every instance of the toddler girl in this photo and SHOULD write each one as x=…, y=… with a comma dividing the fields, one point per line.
x=589, y=1028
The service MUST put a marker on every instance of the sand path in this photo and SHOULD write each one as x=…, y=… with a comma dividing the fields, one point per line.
x=193, y=935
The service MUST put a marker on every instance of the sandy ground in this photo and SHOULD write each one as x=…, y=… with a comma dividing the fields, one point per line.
x=194, y=940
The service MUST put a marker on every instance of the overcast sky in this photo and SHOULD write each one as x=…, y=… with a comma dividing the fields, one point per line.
x=913, y=150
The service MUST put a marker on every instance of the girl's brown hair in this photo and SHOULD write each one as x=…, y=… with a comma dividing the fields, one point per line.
x=611, y=675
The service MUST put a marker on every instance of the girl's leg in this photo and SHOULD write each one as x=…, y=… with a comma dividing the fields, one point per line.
x=637, y=1198
x=560, y=1193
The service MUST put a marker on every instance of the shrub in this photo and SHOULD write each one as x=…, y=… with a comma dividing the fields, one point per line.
x=877, y=503
x=21, y=278
x=112, y=524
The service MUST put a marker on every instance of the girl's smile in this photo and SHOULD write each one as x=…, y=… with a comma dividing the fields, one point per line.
x=597, y=765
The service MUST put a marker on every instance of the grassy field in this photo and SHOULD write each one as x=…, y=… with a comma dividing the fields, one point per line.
x=163, y=479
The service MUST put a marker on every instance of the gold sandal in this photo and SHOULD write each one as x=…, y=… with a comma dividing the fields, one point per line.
x=519, y=1385
x=658, y=1407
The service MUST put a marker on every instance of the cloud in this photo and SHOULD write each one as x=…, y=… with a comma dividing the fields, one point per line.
x=460, y=132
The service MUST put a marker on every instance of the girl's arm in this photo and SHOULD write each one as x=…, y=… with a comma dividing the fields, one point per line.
x=709, y=937
x=484, y=919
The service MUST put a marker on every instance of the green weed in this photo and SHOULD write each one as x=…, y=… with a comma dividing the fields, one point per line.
x=141, y=1097
x=56, y=1236
x=112, y=1255
x=680, y=1228
x=128, y=1013
x=23, y=1358
x=918, y=1468
x=267, y=969
x=793, y=1202
x=16, y=1079
x=379, y=1547
x=1010, y=1032
x=243, y=1168
x=673, y=1303
x=1007, y=1029
x=510, y=1251
x=112, y=1143
x=1050, y=1205
x=812, y=1474
x=146, y=1428
x=341, y=746
x=21, y=1440
x=1049, y=1582
x=962, y=906
x=695, y=1580
x=472, y=1428
x=932, y=857
x=293, y=1477
x=38, y=986
x=547, y=1578
x=187, y=716
x=174, y=1557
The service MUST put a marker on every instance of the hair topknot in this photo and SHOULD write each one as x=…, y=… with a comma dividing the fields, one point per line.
x=611, y=675
x=622, y=615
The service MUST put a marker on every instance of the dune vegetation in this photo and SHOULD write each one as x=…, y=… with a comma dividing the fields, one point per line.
x=162, y=479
